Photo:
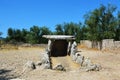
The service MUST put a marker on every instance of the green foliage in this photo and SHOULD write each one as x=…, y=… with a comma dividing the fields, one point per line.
x=33, y=36
x=24, y=34
x=44, y=31
x=69, y=29
x=101, y=23
x=84, y=33
x=117, y=32
x=59, y=29
x=30, y=38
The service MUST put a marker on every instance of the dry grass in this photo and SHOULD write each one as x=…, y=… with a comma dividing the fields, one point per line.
x=85, y=47
x=15, y=59
x=9, y=47
x=66, y=61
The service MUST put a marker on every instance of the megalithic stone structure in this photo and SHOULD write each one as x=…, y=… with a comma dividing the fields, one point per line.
x=59, y=45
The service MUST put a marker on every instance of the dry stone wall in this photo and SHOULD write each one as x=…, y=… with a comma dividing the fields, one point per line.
x=106, y=44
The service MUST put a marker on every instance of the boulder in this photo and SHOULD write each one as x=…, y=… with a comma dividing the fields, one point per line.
x=86, y=62
x=74, y=57
x=44, y=62
x=43, y=66
x=59, y=67
x=29, y=66
x=89, y=66
x=93, y=67
x=47, y=66
x=79, y=59
x=44, y=59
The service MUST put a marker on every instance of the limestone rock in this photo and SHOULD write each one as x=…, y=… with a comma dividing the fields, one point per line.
x=98, y=67
x=73, y=51
x=69, y=47
x=47, y=66
x=29, y=66
x=49, y=45
x=74, y=57
x=79, y=59
x=89, y=66
x=93, y=67
x=45, y=58
x=59, y=67
x=86, y=62
x=44, y=62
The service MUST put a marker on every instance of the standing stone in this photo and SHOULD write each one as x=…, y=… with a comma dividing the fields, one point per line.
x=79, y=59
x=49, y=45
x=45, y=58
x=69, y=47
x=73, y=50
x=44, y=63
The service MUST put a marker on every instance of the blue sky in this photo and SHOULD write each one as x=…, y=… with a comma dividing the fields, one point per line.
x=20, y=14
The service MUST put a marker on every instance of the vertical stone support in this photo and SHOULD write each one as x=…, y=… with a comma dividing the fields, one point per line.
x=46, y=60
x=73, y=51
x=69, y=47
x=49, y=45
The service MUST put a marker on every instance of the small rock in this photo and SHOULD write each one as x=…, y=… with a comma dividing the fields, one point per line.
x=98, y=67
x=59, y=67
x=91, y=67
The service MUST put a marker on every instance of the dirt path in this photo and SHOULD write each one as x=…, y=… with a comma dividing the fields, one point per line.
x=66, y=61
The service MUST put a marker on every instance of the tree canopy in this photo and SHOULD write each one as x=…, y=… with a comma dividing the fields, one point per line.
x=101, y=23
